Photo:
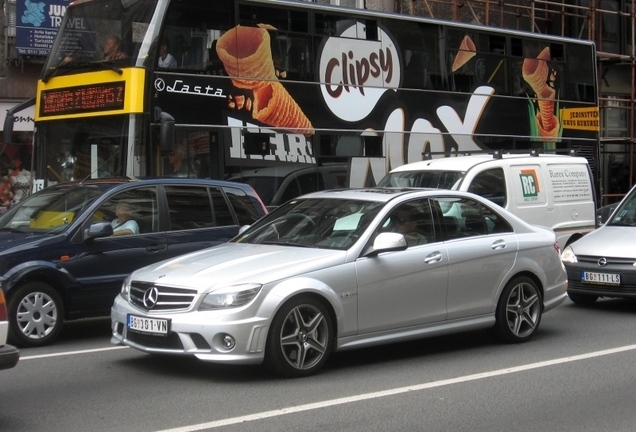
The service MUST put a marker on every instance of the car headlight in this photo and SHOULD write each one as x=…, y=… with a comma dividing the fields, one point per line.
x=568, y=255
x=125, y=287
x=230, y=297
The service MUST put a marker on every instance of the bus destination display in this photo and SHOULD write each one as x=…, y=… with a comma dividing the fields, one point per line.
x=83, y=99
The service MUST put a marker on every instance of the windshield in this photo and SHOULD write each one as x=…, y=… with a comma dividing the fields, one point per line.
x=101, y=34
x=423, y=179
x=50, y=211
x=320, y=223
x=625, y=214
x=78, y=149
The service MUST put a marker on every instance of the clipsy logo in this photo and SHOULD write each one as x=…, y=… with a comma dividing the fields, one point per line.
x=529, y=184
x=349, y=62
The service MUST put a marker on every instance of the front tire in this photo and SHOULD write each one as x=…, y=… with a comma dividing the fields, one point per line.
x=519, y=310
x=36, y=315
x=300, y=338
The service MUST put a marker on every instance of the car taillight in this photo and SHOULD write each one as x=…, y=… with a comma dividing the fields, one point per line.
x=3, y=307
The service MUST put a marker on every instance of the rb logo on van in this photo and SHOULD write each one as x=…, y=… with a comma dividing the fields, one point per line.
x=529, y=185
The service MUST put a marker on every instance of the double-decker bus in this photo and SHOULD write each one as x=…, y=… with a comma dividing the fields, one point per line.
x=268, y=85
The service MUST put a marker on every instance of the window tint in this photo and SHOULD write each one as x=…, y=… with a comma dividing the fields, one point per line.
x=189, y=207
x=490, y=184
x=463, y=217
x=413, y=220
x=141, y=204
x=222, y=212
x=246, y=207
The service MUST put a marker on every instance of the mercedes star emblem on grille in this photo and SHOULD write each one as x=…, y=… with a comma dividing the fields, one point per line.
x=150, y=297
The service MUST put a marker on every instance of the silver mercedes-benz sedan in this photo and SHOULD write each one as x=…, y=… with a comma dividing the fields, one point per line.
x=344, y=269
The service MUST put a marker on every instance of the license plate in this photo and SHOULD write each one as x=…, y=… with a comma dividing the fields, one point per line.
x=601, y=278
x=148, y=325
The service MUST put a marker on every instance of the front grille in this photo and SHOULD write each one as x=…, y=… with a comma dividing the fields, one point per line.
x=168, y=298
x=171, y=341
x=610, y=260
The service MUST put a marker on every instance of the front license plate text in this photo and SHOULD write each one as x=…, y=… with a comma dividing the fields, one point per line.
x=601, y=278
x=148, y=325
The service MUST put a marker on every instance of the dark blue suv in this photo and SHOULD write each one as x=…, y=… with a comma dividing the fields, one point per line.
x=62, y=258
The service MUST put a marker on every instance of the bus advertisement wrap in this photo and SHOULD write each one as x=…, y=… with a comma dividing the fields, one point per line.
x=361, y=90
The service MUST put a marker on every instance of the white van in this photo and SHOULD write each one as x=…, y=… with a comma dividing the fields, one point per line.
x=549, y=190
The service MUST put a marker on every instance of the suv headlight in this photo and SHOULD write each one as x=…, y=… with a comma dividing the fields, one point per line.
x=568, y=255
x=230, y=297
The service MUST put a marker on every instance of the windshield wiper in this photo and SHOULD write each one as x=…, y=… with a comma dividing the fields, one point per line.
x=287, y=243
x=66, y=67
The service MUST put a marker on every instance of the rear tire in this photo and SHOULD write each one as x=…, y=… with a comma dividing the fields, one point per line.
x=300, y=338
x=582, y=299
x=36, y=315
x=519, y=310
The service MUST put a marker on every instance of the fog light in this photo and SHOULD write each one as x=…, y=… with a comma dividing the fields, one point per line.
x=228, y=342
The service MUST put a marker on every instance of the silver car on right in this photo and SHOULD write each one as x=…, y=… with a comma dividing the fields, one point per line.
x=603, y=263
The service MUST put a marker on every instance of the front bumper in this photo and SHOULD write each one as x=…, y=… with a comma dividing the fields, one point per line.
x=9, y=356
x=624, y=268
x=196, y=333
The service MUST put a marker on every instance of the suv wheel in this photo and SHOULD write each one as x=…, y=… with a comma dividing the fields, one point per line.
x=36, y=315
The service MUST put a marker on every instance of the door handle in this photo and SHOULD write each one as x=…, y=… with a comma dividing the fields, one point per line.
x=155, y=248
x=433, y=258
x=499, y=244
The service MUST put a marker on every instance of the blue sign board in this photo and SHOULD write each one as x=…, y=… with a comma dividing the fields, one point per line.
x=36, y=25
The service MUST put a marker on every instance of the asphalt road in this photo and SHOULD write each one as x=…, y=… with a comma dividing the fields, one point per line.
x=577, y=374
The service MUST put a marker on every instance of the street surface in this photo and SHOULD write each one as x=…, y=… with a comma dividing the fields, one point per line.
x=577, y=374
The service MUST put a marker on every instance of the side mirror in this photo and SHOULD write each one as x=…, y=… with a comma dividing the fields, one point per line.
x=99, y=229
x=166, y=132
x=388, y=242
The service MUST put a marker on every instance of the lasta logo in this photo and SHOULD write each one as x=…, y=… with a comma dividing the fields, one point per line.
x=349, y=62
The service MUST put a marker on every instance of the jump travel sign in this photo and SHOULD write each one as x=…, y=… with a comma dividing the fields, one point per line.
x=36, y=25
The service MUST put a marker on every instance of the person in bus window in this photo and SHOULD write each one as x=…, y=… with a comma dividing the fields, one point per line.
x=124, y=224
x=166, y=60
x=178, y=167
x=112, y=49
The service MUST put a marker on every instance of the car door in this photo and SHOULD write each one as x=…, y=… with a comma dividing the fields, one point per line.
x=199, y=217
x=104, y=263
x=482, y=248
x=404, y=288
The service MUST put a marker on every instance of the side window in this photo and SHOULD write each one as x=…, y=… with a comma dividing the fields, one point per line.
x=311, y=182
x=490, y=184
x=291, y=191
x=131, y=212
x=222, y=212
x=189, y=207
x=413, y=220
x=494, y=223
x=463, y=217
x=246, y=207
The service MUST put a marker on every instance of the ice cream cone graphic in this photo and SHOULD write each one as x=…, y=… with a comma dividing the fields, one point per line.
x=247, y=57
x=537, y=74
x=467, y=50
